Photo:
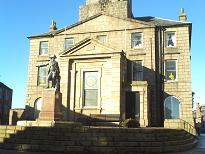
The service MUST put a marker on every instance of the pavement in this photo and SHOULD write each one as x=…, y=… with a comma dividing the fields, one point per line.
x=199, y=149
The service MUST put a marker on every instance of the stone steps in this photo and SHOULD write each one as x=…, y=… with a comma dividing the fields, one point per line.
x=95, y=140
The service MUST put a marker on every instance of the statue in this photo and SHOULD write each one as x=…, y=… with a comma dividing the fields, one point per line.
x=53, y=73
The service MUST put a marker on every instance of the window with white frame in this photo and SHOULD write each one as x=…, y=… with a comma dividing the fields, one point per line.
x=171, y=108
x=137, y=67
x=170, y=39
x=170, y=70
x=69, y=42
x=136, y=40
x=43, y=50
x=102, y=38
x=90, y=89
x=42, y=74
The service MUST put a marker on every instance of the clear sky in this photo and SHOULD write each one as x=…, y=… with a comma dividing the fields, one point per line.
x=22, y=18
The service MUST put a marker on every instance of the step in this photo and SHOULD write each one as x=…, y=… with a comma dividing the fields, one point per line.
x=63, y=139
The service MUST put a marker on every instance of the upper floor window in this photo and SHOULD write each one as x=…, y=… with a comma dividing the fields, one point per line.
x=102, y=38
x=137, y=70
x=90, y=90
x=42, y=73
x=69, y=42
x=43, y=48
x=170, y=39
x=170, y=70
x=171, y=108
x=136, y=40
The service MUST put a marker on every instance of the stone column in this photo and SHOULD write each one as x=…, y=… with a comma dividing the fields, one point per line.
x=142, y=88
x=51, y=106
x=72, y=95
x=143, y=108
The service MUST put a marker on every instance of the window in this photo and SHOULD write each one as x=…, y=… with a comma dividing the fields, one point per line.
x=170, y=70
x=171, y=108
x=170, y=39
x=69, y=42
x=137, y=70
x=37, y=108
x=136, y=39
x=90, y=88
x=102, y=38
x=43, y=48
x=42, y=73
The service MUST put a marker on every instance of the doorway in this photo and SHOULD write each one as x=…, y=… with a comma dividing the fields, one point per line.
x=132, y=105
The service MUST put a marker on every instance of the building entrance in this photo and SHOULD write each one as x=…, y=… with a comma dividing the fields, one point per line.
x=132, y=105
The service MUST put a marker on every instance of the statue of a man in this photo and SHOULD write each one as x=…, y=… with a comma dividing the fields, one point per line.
x=54, y=73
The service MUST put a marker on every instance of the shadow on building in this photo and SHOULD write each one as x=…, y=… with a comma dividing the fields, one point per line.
x=5, y=103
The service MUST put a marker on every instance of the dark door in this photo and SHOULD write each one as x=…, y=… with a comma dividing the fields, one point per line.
x=132, y=105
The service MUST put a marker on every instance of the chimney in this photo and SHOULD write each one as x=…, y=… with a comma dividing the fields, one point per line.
x=182, y=15
x=52, y=26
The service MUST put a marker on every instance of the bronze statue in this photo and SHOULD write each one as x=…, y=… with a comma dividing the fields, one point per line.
x=53, y=73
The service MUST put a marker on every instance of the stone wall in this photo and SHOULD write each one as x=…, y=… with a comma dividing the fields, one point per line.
x=118, y=33
x=181, y=88
x=116, y=8
x=116, y=39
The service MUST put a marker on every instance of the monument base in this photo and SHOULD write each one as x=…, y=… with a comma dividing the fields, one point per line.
x=51, y=106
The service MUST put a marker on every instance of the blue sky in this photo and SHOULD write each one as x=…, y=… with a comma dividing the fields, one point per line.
x=22, y=18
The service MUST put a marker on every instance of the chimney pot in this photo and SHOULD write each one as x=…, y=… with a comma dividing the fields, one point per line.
x=182, y=15
x=52, y=26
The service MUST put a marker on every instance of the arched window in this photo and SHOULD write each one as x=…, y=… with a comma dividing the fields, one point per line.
x=37, y=107
x=171, y=108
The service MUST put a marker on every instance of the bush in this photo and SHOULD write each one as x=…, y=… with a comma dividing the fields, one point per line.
x=86, y=121
x=130, y=123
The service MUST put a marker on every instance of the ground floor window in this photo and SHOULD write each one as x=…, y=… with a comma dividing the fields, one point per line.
x=37, y=107
x=171, y=108
x=90, y=90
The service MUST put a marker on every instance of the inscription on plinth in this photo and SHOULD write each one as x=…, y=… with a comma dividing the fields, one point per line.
x=51, y=106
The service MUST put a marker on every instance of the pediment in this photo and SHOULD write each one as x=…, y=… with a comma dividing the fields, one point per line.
x=109, y=23
x=89, y=46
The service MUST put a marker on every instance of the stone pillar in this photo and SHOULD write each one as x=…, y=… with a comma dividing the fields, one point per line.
x=51, y=106
x=142, y=88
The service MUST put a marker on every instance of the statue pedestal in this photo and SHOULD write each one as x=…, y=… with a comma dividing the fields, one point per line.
x=51, y=106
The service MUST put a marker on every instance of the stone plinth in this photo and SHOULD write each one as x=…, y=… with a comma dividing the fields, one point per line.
x=51, y=106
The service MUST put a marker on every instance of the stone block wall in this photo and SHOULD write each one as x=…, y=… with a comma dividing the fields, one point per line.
x=181, y=88
x=118, y=33
x=115, y=38
x=116, y=8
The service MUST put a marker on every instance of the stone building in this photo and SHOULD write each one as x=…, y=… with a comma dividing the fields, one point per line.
x=5, y=103
x=115, y=64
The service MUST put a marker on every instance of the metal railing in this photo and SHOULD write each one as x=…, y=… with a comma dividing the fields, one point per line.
x=180, y=124
x=187, y=127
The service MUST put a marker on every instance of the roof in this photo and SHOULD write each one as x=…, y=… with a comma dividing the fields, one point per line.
x=161, y=21
x=4, y=86
x=147, y=20
x=52, y=33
